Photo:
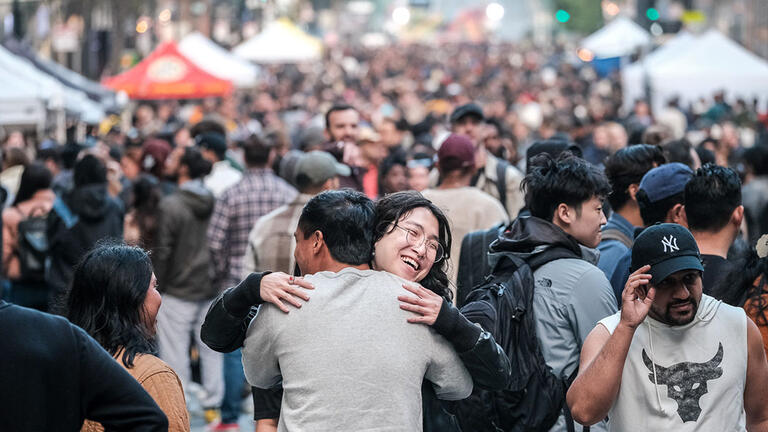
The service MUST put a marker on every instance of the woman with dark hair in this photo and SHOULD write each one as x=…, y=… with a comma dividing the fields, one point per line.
x=24, y=242
x=114, y=298
x=393, y=175
x=140, y=226
x=412, y=240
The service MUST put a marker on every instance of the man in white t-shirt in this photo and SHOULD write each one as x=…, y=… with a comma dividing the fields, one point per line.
x=672, y=358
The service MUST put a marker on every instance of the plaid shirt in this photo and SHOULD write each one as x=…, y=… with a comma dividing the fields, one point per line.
x=236, y=212
x=271, y=243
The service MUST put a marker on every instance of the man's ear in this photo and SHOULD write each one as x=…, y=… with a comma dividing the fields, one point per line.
x=677, y=215
x=564, y=214
x=632, y=191
x=318, y=242
x=737, y=216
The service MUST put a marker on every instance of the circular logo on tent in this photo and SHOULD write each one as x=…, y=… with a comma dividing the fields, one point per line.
x=167, y=69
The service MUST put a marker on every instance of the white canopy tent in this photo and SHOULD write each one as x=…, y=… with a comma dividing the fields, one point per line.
x=280, y=42
x=633, y=76
x=21, y=102
x=217, y=61
x=51, y=90
x=717, y=63
x=619, y=38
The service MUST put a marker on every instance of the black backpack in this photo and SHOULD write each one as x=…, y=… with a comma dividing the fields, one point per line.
x=535, y=397
x=32, y=247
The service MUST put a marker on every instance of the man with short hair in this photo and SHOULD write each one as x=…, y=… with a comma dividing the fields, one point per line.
x=181, y=261
x=660, y=198
x=494, y=176
x=467, y=208
x=673, y=358
x=333, y=377
x=342, y=132
x=570, y=294
x=342, y=124
x=223, y=176
x=235, y=213
x=624, y=169
x=714, y=213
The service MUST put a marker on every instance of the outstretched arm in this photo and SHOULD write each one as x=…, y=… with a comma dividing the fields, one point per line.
x=755, y=396
x=594, y=391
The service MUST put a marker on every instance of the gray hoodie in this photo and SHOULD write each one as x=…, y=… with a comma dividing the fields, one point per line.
x=181, y=258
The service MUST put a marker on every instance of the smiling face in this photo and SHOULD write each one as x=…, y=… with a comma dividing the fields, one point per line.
x=396, y=255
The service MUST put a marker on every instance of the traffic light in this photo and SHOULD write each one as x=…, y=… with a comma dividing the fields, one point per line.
x=562, y=16
x=652, y=14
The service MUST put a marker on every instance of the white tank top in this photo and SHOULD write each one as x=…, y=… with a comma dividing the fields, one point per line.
x=700, y=373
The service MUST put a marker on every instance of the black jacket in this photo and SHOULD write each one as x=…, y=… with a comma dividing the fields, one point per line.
x=227, y=320
x=54, y=376
x=180, y=256
x=84, y=217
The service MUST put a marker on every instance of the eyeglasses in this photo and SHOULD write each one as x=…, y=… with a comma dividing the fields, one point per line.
x=416, y=238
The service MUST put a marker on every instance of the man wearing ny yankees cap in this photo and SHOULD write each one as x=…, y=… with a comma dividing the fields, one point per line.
x=672, y=358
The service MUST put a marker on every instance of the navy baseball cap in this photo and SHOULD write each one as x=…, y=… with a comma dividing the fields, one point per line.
x=665, y=180
x=668, y=248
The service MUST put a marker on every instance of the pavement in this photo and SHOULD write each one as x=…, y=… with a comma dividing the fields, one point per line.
x=197, y=421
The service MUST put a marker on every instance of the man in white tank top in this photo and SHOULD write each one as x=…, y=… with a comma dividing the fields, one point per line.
x=672, y=358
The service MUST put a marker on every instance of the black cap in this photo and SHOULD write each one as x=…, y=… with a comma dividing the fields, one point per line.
x=214, y=142
x=668, y=248
x=466, y=110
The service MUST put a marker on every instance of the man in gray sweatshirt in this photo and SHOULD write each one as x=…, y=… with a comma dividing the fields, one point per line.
x=335, y=373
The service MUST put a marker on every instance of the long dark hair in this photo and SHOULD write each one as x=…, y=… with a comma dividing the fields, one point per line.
x=107, y=298
x=35, y=177
x=146, y=199
x=391, y=208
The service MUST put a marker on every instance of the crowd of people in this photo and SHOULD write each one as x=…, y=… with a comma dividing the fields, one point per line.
x=469, y=238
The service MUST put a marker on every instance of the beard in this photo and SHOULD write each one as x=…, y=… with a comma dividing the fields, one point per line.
x=670, y=317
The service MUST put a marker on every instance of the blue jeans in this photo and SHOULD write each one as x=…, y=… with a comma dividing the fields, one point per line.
x=234, y=378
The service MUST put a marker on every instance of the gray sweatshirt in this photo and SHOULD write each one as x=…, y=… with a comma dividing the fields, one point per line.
x=348, y=359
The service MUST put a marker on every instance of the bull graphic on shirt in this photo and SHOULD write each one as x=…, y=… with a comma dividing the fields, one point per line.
x=687, y=382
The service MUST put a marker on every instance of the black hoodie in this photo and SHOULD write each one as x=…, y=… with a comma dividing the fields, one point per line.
x=94, y=216
x=530, y=236
x=181, y=258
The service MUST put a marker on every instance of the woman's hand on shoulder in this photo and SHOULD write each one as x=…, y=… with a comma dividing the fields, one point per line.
x=281, y=288
x=424, y=303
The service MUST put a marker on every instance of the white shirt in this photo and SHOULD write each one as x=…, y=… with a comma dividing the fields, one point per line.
x=222, y=177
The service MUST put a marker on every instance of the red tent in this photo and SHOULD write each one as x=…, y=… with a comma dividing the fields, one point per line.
x=167, y=74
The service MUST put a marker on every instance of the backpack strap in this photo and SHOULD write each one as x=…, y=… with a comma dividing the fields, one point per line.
x=501, y=181
x=570, y=423
x=63, y=211
x=614, y=234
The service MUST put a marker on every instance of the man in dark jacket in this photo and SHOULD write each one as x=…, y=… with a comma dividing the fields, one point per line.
x=181, y=260
x=78, y=221
x=55, y=376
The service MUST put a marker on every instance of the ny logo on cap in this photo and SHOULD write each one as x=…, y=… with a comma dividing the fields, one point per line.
x=669, y=243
